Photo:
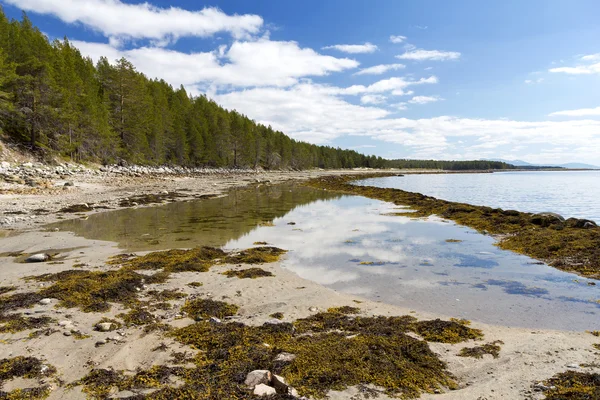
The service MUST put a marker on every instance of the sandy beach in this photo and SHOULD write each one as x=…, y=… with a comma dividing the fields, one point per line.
x=527, y=356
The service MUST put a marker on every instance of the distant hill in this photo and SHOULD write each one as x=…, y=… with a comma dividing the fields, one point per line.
x=521, y=163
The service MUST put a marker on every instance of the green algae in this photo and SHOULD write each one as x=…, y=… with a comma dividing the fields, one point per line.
x=249, y=273
x=206, y=308
x=567, y=245
x=572, y=385
x=492, y=349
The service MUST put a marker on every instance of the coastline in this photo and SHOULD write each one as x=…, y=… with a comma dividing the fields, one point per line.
x=527, y=356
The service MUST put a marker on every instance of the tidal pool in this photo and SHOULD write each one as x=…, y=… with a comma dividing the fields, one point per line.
x=352, y=244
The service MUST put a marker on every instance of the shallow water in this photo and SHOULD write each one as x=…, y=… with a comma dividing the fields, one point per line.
x=349, y=244
x=569, y=193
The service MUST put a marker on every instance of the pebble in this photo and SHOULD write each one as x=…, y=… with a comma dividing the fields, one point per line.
x=65, y=323
x=573, y=366
x=104, y=326
x=257, y=377
x=101, y=343
x=313, y=309
x=41, y=257
x=67, y=333
x=214, y=320
x=45, y=301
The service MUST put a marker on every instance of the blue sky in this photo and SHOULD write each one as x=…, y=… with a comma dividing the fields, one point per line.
x=399, y=79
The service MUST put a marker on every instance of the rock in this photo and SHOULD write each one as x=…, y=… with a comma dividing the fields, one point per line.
x=104, y=326
x=65, y=323
x=45, y=302
x=67, y=184
x=257, y=377
x=580, y=223
x=41, y=257
x=573, y=366
x=67, y=333
x=214, y=320
x=547, y=219
x=313, y=309
x=101, y=343
x=285, y=357
x=278, y=382
x=264, y=390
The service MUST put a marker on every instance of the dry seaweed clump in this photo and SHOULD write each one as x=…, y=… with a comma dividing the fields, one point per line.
x=12, y=323
x=446, y=331
x=277, y=315
x=256, y=255
x=573, y=385
x=6, y=289
x=92, y=291
x=166, y=294
x=27, y=368
x=206, y=308
x=571, y=245
x=195, y=260
x=250, y=273
x=492, y=349
x=371, y=351
x=344, y=310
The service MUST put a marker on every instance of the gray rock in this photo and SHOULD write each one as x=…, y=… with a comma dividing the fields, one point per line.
x=67, y=333
x=214, y=320
x=65, y=323
x=313, y=309
x=257, y=377
x=67, y=184
x=41, y=257
x=278, y=382
x=101, y=343
x=45, y=301
x=264, y=390
x=573, y=366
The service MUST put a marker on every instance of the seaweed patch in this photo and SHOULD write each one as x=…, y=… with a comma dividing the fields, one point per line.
x=492, y=349
x=249, y=273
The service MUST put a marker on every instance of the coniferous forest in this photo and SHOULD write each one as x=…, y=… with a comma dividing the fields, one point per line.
x=54, y=101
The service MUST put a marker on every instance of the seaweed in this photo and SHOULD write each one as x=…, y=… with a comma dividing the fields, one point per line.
x=446, y=331
x=572, y=245
x=277, y=315
x=138, y=317
x=344, y=310
x=12, y=323
x=492, y=348
x=27, y=368
x=19, y=300
x=92, y=291
x=195, y=284
x=250, y=273
x=114, y=324
x=572, y=385
x=6, y=289
x=195, y=260
x=166, y=295
x=77, y=208
x=255, y=255
x=206, y=308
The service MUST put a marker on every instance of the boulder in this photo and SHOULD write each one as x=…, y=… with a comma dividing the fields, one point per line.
x=285, y=357
x=547, y=219
x=580, y=223
x=264, y=390
x=278, y=382
x=41, y=257
x=104, y=326
x=257, y=377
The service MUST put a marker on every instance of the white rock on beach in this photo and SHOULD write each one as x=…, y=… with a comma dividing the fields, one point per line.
x=264, y=390
x=41, y=257
x=257, y=377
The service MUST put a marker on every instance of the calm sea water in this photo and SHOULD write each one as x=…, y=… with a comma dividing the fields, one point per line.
x=569, y=193
x=353, y=245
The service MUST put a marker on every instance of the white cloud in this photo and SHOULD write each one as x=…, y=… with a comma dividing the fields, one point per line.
x=373, y=99
x=397, y=39
x=434, y=55
x=353, y=48
x=534, y=81
x=258, y=63
x=424, y=99
x=395, y=85
x=591, y=57
x=579, y=70
x=582, y=112
x=143, y=20
x=380, y=69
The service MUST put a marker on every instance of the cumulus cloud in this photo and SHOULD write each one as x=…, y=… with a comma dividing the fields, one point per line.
x=373, y=99
x=534, y=81
x=582, y=112
x=353, y=48
x=591, y=57
x=380, y=69
x=579, y=70
x=397, y=38
x=434, y=55
x=143, y=20
x=424, y=99
x=257, y=63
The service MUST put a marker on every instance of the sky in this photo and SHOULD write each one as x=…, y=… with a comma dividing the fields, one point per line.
x=398, y=79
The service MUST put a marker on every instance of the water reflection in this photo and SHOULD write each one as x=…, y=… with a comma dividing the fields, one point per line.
x=210, y=222
x=349, y=244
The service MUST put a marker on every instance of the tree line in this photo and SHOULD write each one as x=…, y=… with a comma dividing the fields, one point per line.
x=55, y=101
